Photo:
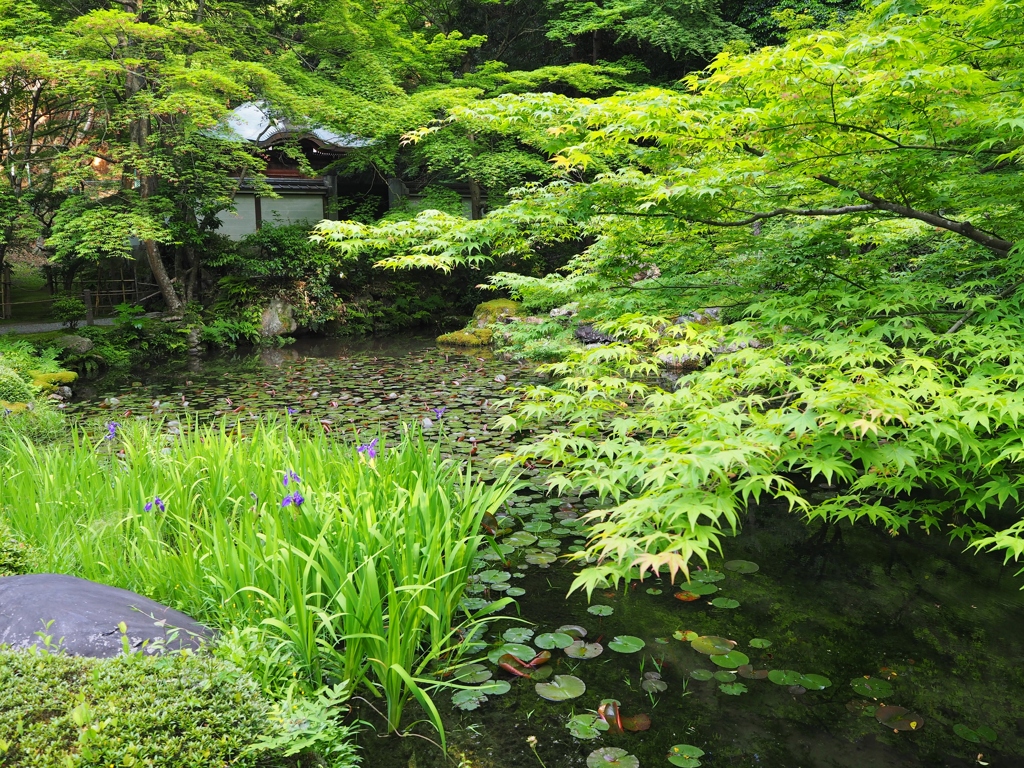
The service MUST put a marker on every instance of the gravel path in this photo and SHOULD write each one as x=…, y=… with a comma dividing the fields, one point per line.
x=44, y=327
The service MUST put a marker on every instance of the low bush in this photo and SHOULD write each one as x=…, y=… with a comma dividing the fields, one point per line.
x=13, y=388
x=15, y=555
x=173, y=711
x=68, y=310
x=40, y=422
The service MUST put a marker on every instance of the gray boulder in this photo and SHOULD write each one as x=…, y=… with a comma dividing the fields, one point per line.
x=86, y=616
x=588, y=334
x=278, y=318
x=77, y=344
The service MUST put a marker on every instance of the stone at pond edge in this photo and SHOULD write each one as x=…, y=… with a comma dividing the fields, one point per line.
x=86, y=615
x=75, y=343
x=278, y=318
x=590, y=335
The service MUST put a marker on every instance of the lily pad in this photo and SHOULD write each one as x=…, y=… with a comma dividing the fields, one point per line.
x=760, y=642
x=686, y=635
x=986, y=733
x=653, y=591
x=701, y=589
x=747, y=671
x=601, y=610
x=572, y=629
x=873, y=687
x=742, y=566
x=626, y=644
x=515, y=591
x=732, y=689
x=540, y=558
x=702, y=674
x=495, y=687
x=521, y=652
x=899, y=718
x=612, y=757
x=685, y=755
x=725, y=602
x=517, y=635
x=707, y=576
x=968, y=734
x=712, y=645
x=653, y=685
x=493, y=576
x=785, y=677
x=537, y=527
x=561, y=688
x=730, y=660
x=473, y=673
x=586, y=726
x=724, y=677
x=581, y=650
x=686, y=596
x=469, y=699
x=550, y=640
x=635, y=723
x=520, y=539
x=549, y=543
x=815, y=682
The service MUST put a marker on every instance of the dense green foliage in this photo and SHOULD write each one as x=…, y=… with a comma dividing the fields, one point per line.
x=353, y=573
x=109, y=112
x=809, y=261
x=185, y=711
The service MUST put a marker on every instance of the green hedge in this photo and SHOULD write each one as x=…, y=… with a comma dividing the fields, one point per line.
x=177, y=711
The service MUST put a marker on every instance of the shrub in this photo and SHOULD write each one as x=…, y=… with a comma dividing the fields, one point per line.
x=176, y=710
x=39, y=422
x=68, y=310
x=14, y=553
x=13, y=388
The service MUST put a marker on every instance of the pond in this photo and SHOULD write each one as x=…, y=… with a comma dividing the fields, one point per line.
x=804, y=646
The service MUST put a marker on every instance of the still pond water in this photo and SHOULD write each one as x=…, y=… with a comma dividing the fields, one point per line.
x=878, y=651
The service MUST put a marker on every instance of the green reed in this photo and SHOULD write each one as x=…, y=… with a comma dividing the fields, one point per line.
x=361, y=582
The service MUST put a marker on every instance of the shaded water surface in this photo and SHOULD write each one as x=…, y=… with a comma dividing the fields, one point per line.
x=857, y=621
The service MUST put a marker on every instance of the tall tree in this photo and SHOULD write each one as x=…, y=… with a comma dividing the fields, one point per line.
x=848, y=203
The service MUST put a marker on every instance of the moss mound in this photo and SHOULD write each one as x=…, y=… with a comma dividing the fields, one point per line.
x=491, y=311
x=478, y=337
x=49, y=381
x=477, y=334
x=172, y=711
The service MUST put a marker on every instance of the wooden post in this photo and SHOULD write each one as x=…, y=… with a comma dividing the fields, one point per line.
x=6, y=310
x=89, y=320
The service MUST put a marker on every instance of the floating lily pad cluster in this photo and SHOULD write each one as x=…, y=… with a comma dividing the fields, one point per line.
x=895, y=717
x=722, y=653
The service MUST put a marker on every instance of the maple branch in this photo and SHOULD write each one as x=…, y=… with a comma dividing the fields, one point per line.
x=963, y=228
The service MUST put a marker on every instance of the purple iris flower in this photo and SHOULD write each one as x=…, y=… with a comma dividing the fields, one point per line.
x=111, y=430
x=439, y=412
x=156, y=502
x=293, y=498
x=290, y=477
x=370, y=449
x=292, y=411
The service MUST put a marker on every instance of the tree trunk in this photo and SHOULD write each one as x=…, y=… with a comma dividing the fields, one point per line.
x=475, y=200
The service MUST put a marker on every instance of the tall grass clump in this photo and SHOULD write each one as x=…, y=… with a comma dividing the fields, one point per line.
x=323, y=563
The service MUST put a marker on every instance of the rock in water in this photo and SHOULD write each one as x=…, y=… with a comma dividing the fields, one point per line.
x=86, y=615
